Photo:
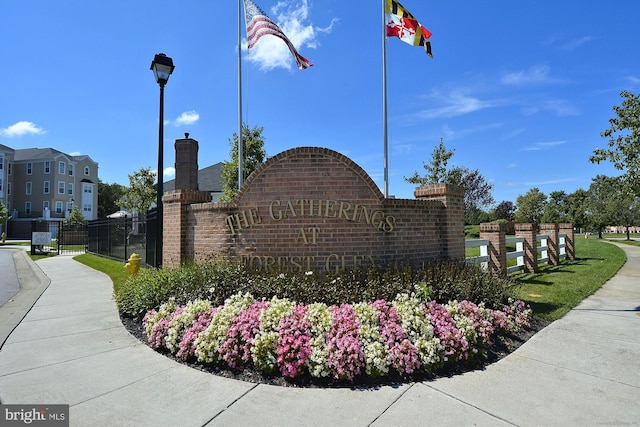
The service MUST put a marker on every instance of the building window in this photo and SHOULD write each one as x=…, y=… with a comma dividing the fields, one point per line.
x=69, y=206
x=1, y=185
x=28, y=188
x=87, y=171
x=70, y=188
x=87, y=188
x=46, y=187
x=27, y=208
x=58, y=207
x=29, y=168
x=8, y=189
x=1, y=163
x=86, y=207
x=9, y=168
x=47, y=167
x=61, y=168
x=70, y=169
x=45, y=206
x=60, y=187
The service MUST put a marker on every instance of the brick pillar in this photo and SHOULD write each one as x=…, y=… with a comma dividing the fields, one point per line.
x=186, y=163
x=569, y=242
x=551, y=230
x=497, y=249
x=176, y=248
x=452, y=224
x=530, y=246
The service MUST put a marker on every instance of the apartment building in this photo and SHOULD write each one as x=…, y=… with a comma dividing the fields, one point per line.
x=47, y=183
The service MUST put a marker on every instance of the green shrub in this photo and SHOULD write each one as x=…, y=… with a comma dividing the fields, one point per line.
x=218, y=280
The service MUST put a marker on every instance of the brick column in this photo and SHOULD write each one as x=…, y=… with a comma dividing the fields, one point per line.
x=497, y=249
x=176, y=248
x=551, y=230
x=569, y=242
x=530, y=246
x=186, y=163
x=452, y=227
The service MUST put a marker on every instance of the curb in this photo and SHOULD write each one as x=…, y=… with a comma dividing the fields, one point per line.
x=33, y=282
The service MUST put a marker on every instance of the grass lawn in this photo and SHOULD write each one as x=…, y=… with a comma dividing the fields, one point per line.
x=112, y=268
x=555, y=290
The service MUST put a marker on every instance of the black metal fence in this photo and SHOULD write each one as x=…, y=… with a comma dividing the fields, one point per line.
x=49, y=236
x=118, y=238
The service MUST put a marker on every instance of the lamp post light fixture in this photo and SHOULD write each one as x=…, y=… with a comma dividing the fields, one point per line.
x=162, y=67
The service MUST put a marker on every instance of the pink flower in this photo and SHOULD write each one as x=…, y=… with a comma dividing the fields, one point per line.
x=294, y=342
x=346, y=356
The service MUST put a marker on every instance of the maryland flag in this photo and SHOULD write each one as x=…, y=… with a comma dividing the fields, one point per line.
x=401, y=24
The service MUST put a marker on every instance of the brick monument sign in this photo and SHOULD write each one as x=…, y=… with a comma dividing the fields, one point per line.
x=310, y=209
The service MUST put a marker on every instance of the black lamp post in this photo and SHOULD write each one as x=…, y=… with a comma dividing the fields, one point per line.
x=162, y=67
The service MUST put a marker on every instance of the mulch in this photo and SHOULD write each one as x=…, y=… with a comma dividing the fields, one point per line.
x=499, y=350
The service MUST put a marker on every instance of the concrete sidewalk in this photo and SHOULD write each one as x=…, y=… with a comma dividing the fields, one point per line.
x=583, y=369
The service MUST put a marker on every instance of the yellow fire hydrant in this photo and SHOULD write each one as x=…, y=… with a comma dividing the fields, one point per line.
x=133, y=266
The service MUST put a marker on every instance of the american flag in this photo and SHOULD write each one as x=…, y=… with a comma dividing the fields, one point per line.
x=259, y=24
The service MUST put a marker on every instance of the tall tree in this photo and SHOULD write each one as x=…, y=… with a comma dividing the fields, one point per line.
x=623, y=147
x=557, y=208
x=254, y=154
x=530, y=206
x=142, y=191
x=600, y=204
x=477, y=191
x=505, y=210
x=436, y=168
x=577, y=202
x=109, y=198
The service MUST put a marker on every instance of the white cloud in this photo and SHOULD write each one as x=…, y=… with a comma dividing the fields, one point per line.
x=538, y=74
x=575, y=43
x=539, y=146
x=21, y=128
x=456, y=103
x=271, y=52
x=559, y=107
x=187, y=118
x=169, y=172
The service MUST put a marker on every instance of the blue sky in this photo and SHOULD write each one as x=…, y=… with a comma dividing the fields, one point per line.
x=520, y=89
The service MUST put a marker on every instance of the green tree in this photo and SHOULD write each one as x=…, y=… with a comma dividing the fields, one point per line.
x=253, y=153
x=623, y=147
x=530, y=206
x=436, y=168
x=142, y=191
x=557, y=208
x=4, y=216
x=75, y=217
x=577, y=207
x=600, y=204
x=505, y=210
x=109, y=198
x=477, y=191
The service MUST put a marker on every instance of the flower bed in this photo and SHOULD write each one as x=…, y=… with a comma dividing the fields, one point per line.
x=400, y=337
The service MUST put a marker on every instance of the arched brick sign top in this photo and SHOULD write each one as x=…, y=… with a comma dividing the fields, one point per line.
x=314, y=209
x=310, y=172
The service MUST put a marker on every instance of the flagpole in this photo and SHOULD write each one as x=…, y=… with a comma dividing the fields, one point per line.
x=384, y=100
x=240, y=154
